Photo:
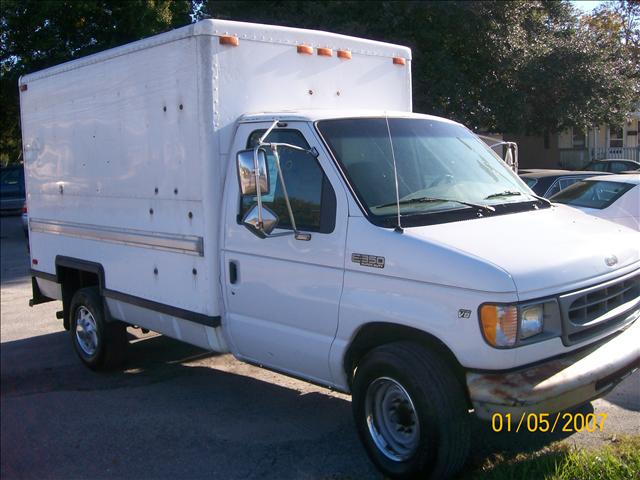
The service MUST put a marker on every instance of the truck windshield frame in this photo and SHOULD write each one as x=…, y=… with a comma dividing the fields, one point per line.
x=435, y=159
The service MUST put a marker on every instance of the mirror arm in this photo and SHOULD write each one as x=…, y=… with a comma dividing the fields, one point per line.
x=266, y=134
x=313, y=151
x=256, y=173
x=274, y=148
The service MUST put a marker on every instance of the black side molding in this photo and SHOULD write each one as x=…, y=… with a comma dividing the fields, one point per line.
x=92, y=267
x=163, y=308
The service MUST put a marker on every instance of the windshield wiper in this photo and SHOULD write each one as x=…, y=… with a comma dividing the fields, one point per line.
x=487, y=208
x=506, y=193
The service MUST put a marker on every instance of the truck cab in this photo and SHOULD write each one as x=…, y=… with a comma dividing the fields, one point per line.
x=406, y=231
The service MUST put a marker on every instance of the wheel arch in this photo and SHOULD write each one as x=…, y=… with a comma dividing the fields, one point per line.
x=375, y=334
x=73, y=274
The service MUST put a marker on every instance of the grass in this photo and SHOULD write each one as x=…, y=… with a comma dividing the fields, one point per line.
x=618, y=460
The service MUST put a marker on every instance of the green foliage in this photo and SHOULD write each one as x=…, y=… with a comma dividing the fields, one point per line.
x=619, y=460
x=513, y=67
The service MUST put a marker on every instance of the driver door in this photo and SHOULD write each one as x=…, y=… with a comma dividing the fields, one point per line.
x=282, y=294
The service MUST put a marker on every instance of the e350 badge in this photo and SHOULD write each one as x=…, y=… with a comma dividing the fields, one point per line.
x=367, y=260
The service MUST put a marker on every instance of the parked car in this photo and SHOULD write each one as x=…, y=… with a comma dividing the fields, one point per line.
x=546, y=183
x=612, y=165
x=613, y=197
x=11, y=188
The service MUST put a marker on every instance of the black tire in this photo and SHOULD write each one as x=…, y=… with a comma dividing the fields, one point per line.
x=109, y=339
x=440, y=441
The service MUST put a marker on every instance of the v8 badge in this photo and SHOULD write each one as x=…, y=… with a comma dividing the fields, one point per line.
x=463, y=313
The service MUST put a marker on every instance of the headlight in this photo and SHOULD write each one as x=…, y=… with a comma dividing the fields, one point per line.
x=503, y=325
x=531, y=320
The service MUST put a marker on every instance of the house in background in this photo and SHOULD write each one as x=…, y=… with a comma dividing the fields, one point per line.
x=573, y=148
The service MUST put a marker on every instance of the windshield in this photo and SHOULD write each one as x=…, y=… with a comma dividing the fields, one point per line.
x=441, y=166
x=592, y=194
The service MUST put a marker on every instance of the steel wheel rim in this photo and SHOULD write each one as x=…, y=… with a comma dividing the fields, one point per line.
x=392, y=419
x=86, y=331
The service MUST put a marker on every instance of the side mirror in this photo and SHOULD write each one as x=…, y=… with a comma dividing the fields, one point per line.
x=253, y=173
x=508, y=158
x=260, y=223
x=511, y=156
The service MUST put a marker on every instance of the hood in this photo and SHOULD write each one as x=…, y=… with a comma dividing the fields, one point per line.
x=540, y=250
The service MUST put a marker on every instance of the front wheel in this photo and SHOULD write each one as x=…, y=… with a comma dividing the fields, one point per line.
x=411, y=412
x=101, y=345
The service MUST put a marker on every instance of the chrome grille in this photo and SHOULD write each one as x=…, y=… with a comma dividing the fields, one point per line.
x=599, y=309
x=594, y=305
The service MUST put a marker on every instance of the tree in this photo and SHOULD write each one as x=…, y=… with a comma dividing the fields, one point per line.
x=37, y=34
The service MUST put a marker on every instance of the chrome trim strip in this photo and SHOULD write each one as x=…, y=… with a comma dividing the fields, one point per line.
x=188, y=244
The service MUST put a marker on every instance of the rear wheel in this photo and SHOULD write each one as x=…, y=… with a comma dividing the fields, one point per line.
x=411, y=412
x=98, y=343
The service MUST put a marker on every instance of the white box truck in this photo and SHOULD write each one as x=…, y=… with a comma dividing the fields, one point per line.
x=268, y=192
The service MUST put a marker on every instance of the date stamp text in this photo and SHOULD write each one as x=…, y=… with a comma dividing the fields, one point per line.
x=546, y=422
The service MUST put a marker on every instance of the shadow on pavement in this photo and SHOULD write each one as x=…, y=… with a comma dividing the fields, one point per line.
x=203, y=420
x=164, y=417
x=55, y=367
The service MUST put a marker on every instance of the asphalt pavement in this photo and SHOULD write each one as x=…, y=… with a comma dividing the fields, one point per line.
x=177, y=411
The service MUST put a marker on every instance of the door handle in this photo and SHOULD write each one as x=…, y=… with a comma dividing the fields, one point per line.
x=233, y=272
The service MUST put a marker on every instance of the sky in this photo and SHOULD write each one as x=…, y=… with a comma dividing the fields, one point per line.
x=586, y=6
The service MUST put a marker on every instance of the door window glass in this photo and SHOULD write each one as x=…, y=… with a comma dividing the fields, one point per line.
x=617, y=167
x=597, y=167
x=312, y=198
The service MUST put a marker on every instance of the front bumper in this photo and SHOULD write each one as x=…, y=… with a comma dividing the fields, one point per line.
x=560, y=383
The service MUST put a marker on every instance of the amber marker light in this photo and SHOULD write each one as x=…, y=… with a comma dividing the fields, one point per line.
x=344, y=54
x=229, y=40
x=325, y=52
x=499, y=324
x=399, y=61
x=305, y=49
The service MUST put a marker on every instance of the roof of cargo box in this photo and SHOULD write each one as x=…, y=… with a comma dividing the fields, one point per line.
x=314, y=39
